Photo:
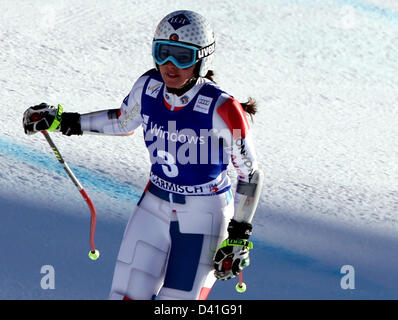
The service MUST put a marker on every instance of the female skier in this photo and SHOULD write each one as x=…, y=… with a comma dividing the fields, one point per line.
x=187, y=229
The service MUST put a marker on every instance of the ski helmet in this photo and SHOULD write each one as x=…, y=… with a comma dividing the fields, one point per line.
x=189, y=28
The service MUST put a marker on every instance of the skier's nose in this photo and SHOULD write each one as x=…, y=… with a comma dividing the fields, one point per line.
x=171, y=66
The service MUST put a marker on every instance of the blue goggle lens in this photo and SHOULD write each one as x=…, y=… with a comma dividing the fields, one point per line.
x=181, y=55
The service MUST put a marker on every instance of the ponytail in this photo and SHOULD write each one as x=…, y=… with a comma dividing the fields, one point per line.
x=250, y=106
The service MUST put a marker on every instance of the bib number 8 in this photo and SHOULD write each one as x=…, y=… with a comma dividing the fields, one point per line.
x=170, y=168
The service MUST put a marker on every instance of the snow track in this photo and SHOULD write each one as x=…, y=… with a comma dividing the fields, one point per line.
x=324, y=75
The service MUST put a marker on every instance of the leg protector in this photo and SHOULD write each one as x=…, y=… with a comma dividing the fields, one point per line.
x=200, y=228
x=141, y=262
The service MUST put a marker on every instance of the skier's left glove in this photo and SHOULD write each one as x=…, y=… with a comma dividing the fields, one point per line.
x=233, y=254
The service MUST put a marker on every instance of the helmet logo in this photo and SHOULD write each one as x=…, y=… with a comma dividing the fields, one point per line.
x=179, y=21
x=174, y=37
x=206, y=51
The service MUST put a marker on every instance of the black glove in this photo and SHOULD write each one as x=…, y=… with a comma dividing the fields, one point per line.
x=38, y=118
x=233, y=254
x=45, y=117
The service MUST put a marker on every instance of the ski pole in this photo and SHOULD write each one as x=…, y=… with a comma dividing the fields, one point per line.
x=241, y=286
x=94, y=253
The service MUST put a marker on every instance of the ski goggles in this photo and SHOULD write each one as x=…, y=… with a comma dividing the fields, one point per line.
x=181, y=55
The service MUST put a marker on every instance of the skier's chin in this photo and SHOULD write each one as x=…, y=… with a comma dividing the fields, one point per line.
x=174, y=77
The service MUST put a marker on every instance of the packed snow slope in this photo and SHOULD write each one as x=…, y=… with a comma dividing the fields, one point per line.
x=324, y=75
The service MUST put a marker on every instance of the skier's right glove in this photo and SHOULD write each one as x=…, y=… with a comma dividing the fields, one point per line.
x=233, y=254
x=45, y=117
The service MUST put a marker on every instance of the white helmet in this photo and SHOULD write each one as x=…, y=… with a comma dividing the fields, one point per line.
x=190, y=28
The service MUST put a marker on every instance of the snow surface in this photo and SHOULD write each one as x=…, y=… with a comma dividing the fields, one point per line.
x=324, y=74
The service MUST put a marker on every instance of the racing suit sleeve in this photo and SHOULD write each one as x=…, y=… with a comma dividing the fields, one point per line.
x=229, y=119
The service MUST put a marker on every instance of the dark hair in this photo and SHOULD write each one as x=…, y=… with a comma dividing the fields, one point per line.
x=250, y=106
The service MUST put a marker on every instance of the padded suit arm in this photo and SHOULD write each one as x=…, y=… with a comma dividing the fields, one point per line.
x=230, y=119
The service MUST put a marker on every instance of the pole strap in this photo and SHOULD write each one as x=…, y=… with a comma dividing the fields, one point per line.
x=57, y=119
